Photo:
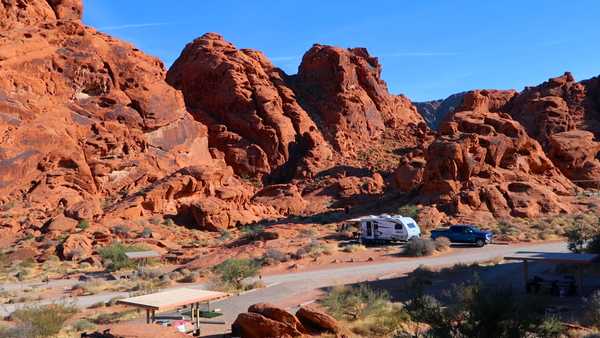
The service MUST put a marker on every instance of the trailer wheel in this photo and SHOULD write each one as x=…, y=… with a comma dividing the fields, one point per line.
x=480, y=243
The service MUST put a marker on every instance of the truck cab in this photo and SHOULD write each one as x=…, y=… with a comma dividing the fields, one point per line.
x=464, y=233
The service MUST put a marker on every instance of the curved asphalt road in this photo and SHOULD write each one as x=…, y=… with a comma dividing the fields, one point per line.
x=298, y=284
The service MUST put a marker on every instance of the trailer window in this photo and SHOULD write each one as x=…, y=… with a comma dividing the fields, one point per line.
x=411, y=225
x=398, y=226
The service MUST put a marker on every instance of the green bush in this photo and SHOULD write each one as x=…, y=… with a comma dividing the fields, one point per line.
x=233, y=271
x=477, y=311
x=83, y=224
x=409, y=210
x=313, y=249
x=353, y=303
x=419, y=247
x=83, y=325
x=114, y=258
x=43, y=321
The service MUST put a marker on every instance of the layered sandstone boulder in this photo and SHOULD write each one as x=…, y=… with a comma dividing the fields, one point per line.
x=254, y=117
x=344, y=89
x=267, y=320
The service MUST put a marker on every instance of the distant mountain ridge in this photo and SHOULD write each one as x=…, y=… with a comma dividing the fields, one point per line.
x=435, y=111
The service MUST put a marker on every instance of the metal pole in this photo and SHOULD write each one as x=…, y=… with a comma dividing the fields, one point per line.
x=525, y=273
x=580, y=279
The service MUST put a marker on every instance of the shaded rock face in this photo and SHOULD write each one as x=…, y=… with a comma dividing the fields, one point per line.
x=485, y=162
x=267, y=124
x=434, y=112
x=254, y=117
x=89, y=125
x=345, y=93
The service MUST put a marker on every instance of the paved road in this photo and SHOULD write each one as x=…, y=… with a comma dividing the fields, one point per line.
x=299, y=284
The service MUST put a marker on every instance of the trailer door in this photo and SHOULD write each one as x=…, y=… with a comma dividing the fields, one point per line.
x=369, y=230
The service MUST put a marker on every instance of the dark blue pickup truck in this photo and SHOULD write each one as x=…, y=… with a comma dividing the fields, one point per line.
x=463, y=233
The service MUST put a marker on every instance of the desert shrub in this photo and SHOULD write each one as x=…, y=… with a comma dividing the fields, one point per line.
x=388, y=323
x=146, y=233
x=354, y=248
x=549, y=328
x=43, y=321
x=584, y=237
x=592, y=309
x=409, y=210
x=252, y=233
x=441, y=244
x=155, y=220
x=476, y=311
x=191, y=277
x=168, y=222
x=313, y=249
x=224, y=235
x=274, y=256
x=308, y=232
x=419, y=247
x=83, y=325
x=120, y=230
x=353, y=303
x=83, y=224
x=233, y=271
x=114, y=258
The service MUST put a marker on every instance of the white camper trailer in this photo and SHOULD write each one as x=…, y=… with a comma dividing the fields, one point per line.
x=386, y=228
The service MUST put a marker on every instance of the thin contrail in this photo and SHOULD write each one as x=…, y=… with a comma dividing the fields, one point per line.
x=135, y=25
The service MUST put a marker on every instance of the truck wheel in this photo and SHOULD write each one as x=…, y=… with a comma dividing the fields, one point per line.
x=480, y=243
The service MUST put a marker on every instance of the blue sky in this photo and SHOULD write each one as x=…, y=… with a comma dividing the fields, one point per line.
x=429, y=49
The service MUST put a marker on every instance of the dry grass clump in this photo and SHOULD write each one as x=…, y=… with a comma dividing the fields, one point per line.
x=314, y=249
x=354, y=248
x=419, y=247
x=41, y=321
x=366, y=312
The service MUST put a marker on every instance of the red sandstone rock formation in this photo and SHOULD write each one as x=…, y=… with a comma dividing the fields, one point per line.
x=254, y=117
x=483, y=161
x=90, y=129
x=344, y=89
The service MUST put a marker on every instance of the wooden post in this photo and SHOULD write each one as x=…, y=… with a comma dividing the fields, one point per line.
x=198, y=318
x=580, y=280
x=147, y=316
x=153, y=315
x=525, y=273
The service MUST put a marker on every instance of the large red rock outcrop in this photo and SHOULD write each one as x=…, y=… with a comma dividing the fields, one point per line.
x=343, y=87
x=556, y=113
x=89, y=125
x=254, y=117
x=483, y=161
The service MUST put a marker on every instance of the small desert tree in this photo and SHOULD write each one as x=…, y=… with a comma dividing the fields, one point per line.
x=233, y=271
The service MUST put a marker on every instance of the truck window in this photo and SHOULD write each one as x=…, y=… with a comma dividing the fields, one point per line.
x=455, y=228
